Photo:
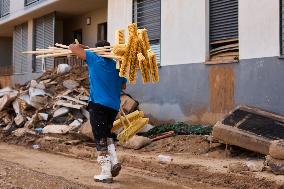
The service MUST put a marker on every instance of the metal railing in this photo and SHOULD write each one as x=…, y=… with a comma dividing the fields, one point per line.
x=4, y=8
x=30, y=2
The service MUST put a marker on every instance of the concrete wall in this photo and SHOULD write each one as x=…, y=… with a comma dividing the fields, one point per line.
x=89, y=31
x=6, y=47
x=184, y=35
x=119, y=16
x=204, y=94
x=259, y=28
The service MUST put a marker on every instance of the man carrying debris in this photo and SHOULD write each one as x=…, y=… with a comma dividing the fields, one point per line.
x=104, y=104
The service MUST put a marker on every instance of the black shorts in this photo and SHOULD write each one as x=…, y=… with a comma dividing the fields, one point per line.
x=101, y=118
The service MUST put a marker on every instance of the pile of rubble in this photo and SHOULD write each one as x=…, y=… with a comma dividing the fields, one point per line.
x=54, y=103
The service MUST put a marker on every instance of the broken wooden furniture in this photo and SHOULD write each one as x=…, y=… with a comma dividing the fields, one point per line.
x=250, y=128
x=130, y=125
x=136, y=54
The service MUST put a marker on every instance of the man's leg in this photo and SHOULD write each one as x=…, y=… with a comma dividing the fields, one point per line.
x=98, y=121
x=115, y=165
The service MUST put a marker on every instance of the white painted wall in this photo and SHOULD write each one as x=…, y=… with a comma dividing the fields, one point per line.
x=119, y=16
x=184, y=31
x=259, y=28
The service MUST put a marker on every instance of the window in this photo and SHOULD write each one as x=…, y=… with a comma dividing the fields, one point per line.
x=44, y=36
x=20, y=44
x=30, y=2
x=4, y=8
x=102, y=32
x=223, y=31
x=147, y=14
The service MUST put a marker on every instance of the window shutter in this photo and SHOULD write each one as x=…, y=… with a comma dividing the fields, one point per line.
x=20, y=44
x=223, y=20
x=44, y=37
x=147, y=14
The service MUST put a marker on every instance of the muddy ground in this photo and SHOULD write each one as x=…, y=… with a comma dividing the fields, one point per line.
x=195, y=165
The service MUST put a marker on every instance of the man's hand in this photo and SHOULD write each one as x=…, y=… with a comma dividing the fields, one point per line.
x=123, y=87
x=78, y=50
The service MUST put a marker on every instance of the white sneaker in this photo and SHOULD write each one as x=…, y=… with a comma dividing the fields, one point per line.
x=115, y=165
x=105, y=175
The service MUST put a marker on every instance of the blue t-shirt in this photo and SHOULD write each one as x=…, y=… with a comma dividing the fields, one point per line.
x=105, y=83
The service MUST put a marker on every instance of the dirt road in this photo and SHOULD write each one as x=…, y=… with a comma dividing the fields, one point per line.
x=27, y=168
x=57, y=165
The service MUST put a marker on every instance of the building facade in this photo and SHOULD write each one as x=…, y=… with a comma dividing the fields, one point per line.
x=213, y=54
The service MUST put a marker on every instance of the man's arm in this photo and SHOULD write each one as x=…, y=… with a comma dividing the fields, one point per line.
x=78, y=50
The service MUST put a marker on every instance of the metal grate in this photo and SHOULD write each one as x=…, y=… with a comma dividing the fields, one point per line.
x=257, y=124
x=4, y=7
x=147, y=14
x=223, y=20
x=30, y=2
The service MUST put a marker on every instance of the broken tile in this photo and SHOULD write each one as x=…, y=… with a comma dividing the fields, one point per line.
x=43, y=116
x=6, y=100
x=19, y=120
x=75, y=123
x=61, y=112
x=22, y=131
x=68, y=104
x=57, y=129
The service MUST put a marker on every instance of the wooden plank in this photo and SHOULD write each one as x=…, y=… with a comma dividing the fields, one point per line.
x=234, y=136
x=225, y=50
x=225, y=41
x=224, y=47
x=227, y=54
x=68, y=104
x=224, y=61
x=73, y=99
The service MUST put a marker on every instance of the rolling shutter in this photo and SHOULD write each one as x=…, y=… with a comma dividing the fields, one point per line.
x=147, y=14
x=223, y=20
x=20, y=44
x=4, y=7
x=44, y=30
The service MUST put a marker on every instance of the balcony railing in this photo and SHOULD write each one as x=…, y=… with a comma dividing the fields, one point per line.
x=30, y=2
x=4, y=8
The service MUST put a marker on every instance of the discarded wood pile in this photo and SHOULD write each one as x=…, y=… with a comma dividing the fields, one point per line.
x=57, y=100
x=225, y=51
x=54, y=103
